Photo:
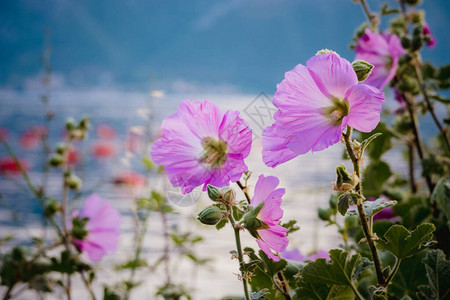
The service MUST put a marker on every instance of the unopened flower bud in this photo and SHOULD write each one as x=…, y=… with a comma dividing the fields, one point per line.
x=362, y=69
x=213, y=192
x=51, y=208
x=74, y=182
x=61, y=148
x=70, y=124
x=412, y=2
x=416, y=43
x=229, y=196
x=406, y=42
x=84, y=123
x=251, y=221
x=56, y=160
x=344, y=181
x=210, y=215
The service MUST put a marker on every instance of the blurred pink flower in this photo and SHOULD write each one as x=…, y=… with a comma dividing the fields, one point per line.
x=201, y=145
x=427, y=32
x=296, y=255
x=104, y=131
x=382, y=51
x=103, y=149
x=274, y=237
x=130, y=178
x=33, y=136
x=315, y=103
x=8, y=165
x=103, y=228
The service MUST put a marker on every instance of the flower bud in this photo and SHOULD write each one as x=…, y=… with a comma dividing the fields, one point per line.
x=251, y=221
x=84, y=123
x=406, y=42
x=210, y=215
x=70, y=124
x=362, y=69
x=344, y=181
x=74, y=182
x=412, y=2
x=61, y=148
x=416, y=43
x=229, y=196
x=213, y=192
x=51, y=208
x=56, y=160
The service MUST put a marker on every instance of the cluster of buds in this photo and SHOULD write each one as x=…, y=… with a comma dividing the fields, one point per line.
x=212, y=215
x=77, y=131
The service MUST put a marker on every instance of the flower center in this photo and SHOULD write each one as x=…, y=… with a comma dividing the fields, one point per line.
x=214, y=152
x=337, y=111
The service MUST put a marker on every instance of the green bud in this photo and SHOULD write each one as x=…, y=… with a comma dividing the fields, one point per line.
x=324, y=214
x=362, y=69
x=213, y=192
x=74, y=182
x=251, y=221
x=333, y=202
x=344, y=181
x=79, y=228
x=229, y=196
x=418, y=30
x=406, y=42
x=70, y=124
x=417, y=17
x=412, y=2
x=51, y=208
x=210, y=215
x=84, y=123
x=56, y=160
x=61, y=148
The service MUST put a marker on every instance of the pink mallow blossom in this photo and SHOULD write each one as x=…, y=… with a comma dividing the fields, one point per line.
x=271, y=236
x=202, y=145
x=431, y=42
x=315, y=103
x=102, y=227
x=382, y=51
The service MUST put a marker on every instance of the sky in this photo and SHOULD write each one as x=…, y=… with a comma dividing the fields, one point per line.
x=242, y=46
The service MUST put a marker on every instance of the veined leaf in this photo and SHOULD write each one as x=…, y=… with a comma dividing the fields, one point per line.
x=438, y=273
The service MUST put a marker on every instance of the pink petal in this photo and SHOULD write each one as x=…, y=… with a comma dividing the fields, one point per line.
x=365, y=106
x=235, y=131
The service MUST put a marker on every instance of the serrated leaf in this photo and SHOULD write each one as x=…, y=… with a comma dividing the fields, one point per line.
x=259, y=295
x=365, y=264
x=402, y=243
x=373, y=207
x=272, y=267
x=441, y=195
x=308, y=291
x=345, y=201
x=340, y=269
x=438, y=273
x=291, y=225
x=221, y=224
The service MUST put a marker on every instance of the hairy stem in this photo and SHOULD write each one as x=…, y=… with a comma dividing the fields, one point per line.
x=240, y=255
x=244, y=190
x=361, y=212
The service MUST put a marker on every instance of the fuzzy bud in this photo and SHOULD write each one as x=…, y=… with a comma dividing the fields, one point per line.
x=229, y=196
x=56, y=160
x=61, y=149
x=344, y=181
x=210, y=215
x=74, y=182
x=51, y=208
x=362, y=69
x=406, y=42
x=213, y=193
x=84, y=123
x=70, y=124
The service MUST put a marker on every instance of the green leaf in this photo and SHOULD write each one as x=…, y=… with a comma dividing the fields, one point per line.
x=308, y=291
x=367, y=141
x=402, y=243
x=380, y=145
x=373, y=207
x=339, y=270
x=374, y=177
x=291, y=225
x=345, y=200
x=438, y=273
x=237, y=213
x=221, y=224
x=259, y=295
x=441, y=195
x=365, y=264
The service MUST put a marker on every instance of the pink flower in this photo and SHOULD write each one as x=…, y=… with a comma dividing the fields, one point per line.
x=201, y=145
x=272, y=236
x=32, y=137
x=296, y=255
x=104, y=131
x=315, y=103
x=131, y=179
x=431, y=43
x=8, y=165
x=103, y=149
x=382, y=51
x=102, y=226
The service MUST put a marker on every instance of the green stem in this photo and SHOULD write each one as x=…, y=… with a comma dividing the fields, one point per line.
x=361, y=212
x=430, y=108
x=394, y=271
x=240, y=255
x=372, y=18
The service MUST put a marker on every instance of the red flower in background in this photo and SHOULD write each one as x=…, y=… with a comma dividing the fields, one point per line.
x=130, y=178
x=106, y=132
x=32, y=137
x=9, y=166
x=103, y=149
